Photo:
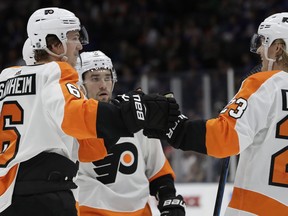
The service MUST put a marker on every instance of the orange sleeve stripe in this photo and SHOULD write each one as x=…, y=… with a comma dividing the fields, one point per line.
x=166, y=169
x=256, y=203
x=6, y=181
x=77, y=208
x=91, y=150
x=88, y=211
x=80, y=115
x=221, y=136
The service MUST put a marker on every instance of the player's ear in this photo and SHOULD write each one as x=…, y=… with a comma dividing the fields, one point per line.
x=279, y=49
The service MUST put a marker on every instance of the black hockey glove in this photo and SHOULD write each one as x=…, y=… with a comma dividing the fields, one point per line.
x=172, y=206
x=151, y=111
x=161, y=112
x=163, y=189
x=172, y=134
x=132, y=109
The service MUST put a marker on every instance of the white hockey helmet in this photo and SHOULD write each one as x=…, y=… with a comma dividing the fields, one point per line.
x=53, y=21
x=272, y=28
x=94, y=60
x=28, y=53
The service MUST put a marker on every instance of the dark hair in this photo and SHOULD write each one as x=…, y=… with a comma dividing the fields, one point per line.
x=42, y=55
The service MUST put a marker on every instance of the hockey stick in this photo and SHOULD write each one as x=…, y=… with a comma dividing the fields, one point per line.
x=225, y=161
x=221, y=186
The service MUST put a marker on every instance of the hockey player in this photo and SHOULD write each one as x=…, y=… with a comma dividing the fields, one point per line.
x=254, y=125
x=42, y=110
x=120, y=183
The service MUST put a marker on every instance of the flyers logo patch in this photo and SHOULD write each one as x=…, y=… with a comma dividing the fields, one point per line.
x=50, y=11
x=123, y=158
x=285, y=19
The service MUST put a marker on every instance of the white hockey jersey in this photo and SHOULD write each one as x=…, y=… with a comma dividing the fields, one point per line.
x=41, y=110
x=255, y=124
x=118, y=185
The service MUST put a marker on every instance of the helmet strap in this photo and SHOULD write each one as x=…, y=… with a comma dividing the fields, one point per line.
x=113, y=84
x=270, y=61
x=270, y=64
x=83, y=89
x=62, y=56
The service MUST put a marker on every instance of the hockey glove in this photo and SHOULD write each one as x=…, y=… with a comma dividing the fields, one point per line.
x=151, y=111
x=172, y=206
x=172, y=134
x=161, y=112
x=132, y=110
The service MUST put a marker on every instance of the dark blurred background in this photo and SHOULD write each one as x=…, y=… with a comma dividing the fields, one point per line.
x=160, y=39
x=152, y=36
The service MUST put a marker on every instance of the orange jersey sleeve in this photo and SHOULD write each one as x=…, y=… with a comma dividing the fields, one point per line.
x=233, y=130
x=79, y=116
x=91, y=150
x=222, y=136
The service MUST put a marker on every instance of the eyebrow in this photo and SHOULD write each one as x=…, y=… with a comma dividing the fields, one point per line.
x=100, y=75
x=94, y=72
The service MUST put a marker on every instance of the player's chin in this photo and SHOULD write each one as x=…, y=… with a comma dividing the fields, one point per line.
x=103, y=98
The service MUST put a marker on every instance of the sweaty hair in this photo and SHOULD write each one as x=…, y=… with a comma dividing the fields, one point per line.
x=42, y=55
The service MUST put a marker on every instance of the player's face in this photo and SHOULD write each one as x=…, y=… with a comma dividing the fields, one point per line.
x=98, y=84
x=73, y=47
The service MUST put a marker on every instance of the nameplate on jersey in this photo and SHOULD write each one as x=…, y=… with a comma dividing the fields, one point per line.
x=20, y=85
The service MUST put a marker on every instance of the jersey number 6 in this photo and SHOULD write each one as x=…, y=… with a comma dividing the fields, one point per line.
x=11, y=114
